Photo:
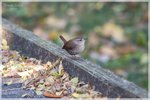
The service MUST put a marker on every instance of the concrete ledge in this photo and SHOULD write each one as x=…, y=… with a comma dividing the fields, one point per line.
x=104, y=80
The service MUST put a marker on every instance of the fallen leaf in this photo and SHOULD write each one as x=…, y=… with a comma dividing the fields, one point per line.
x=58, y=86
x=37, y=67
x=60, y=69
x=65, y=77
x=9, y=83
x=49, y=65
x=75, y=95
x=4, y=45
x=49, y=80
x=4, y=42
x=59, y=93
x=82, y=88
x=2, y=67
x=27, y=96
x=25, y=73
x=40, y=87
x=43, y=77
x=75, y=81
x=57, y=75
x=50, y=95
x=38, y=92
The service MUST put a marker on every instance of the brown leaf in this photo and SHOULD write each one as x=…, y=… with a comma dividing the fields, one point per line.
x=50, y=95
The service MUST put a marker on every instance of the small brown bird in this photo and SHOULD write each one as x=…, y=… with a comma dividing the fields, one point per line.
x=74, y=46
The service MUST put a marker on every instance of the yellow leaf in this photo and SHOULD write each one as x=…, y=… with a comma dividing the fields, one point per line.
x=40, y=87
x=57, y=75
x=24, y=77
x=75, y=95
x=38, y=92
x=49, y=63
x=5, y=47
x=53, y=35
x=54, y=74
x=4, y=42
x=75, y=81
x=9, y=82
x=14, y=55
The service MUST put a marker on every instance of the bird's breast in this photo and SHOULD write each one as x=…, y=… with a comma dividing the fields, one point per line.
x=78, y=49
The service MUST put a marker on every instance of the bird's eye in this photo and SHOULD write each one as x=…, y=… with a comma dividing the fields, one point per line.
x=80, y=39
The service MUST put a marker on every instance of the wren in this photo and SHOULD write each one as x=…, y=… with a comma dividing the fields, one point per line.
x=74, y=46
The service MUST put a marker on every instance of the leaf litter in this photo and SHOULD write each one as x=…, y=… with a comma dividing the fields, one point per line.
x=48, y=79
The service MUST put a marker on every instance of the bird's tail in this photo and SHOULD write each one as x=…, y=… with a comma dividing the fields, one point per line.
x=63, y=39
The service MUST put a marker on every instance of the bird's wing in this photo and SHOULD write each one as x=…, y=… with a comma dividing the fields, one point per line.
x=68, y=45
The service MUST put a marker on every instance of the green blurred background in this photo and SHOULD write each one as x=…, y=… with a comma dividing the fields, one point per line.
x=117, y=32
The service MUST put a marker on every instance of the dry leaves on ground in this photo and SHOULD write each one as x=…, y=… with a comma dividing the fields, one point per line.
x=48, y=79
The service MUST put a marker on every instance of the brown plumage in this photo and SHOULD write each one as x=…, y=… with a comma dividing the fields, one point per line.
x=73, y=46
